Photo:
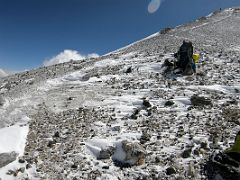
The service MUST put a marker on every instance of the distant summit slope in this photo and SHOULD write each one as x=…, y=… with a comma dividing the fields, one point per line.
x=219, y=29
x=3, y=73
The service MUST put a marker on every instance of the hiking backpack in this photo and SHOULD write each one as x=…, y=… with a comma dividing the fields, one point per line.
x=184, y=55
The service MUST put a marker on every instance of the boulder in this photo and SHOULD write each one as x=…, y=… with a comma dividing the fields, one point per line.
x=135, y=153
x=200, y=101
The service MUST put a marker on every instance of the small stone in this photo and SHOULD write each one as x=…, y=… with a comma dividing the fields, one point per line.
x=2, y=101
x=157, y=159
x=145, y=137
x=10, y=172
x=186, y=153
x=134, y=115
x=21, y=160
x=169, y=103
x=146, y=103
x=56, y=134
x=202, y=151
x=203, y=145
x=51, y=143
x=129, y=70
x=22, y=169
x=28, y=166
x=74, y=166
x=196, y=152
x=170, y=171
x=105, y=167
x=116, y=128
x=15, y=173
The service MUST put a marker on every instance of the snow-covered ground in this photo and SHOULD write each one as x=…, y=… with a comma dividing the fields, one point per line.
x=119, y=117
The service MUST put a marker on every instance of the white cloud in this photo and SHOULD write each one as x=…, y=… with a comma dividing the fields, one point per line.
x=154, y=5
x=3, y=73
x=67, y=55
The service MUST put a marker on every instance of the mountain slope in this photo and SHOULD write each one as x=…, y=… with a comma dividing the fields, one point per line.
x=2, y=73
x=79, y=114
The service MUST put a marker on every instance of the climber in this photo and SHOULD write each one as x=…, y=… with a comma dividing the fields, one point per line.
x=184, y=58
x=186, y=61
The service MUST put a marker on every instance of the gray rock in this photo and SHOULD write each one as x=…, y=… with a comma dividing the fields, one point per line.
x=134, y=114
x=170, y=171
x=2, y=101
x=128, y=70
x=106, y=153
x=134, y=151
x=146, y=103
x=200, y=101
x=186, y=153
x=7, y=158
x=21, y=160
x=86, y=77
x=22, y=169
x=169, y=103
x=116, y=128
x=145, y=137
x=51, y=143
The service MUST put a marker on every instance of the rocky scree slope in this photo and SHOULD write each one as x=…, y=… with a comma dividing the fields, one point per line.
x=118, y=117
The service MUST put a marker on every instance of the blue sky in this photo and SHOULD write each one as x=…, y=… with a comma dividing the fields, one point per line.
x=32, y=31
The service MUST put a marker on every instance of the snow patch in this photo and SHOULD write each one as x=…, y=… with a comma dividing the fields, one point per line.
x=13, y=138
